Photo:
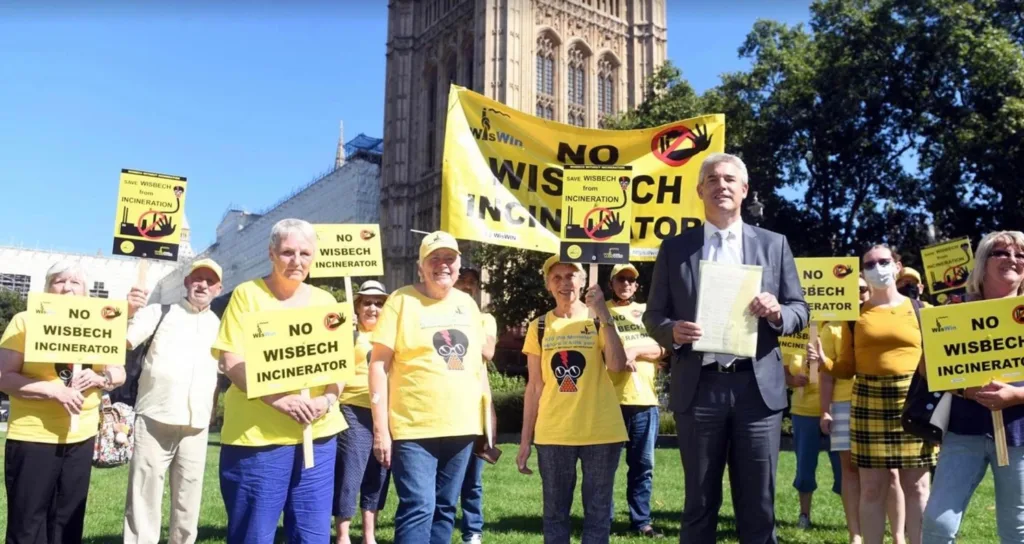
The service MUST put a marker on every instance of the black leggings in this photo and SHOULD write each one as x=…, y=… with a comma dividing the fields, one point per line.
x=47, y=486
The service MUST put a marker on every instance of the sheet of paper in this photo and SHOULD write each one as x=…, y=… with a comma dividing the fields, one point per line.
x=725, y=292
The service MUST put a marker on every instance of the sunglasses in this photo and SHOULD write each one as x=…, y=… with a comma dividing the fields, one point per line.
x=1003, y=254
x=625, y=279
x=368, y=303
x=863, y=289
x=870, y=265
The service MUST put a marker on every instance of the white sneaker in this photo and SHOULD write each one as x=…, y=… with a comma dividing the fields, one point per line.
x=474, y=539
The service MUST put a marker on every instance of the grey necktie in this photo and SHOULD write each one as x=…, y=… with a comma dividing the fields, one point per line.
x=721, y=256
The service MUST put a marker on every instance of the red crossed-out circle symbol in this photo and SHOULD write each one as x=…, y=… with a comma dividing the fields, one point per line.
x=605, y=214
x=681, y=135
x=144, y=231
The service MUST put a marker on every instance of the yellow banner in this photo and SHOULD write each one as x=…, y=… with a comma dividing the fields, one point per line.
x=150, y=214
x=947, y=265
x=75, y=330
x=830, y=287
x=970, y=344
x=291, y=350
x=347, y=250
x=596, y=208
x=502, y=176
x=796, y=344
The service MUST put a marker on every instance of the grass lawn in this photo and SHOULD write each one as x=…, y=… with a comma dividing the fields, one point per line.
x=512, y=504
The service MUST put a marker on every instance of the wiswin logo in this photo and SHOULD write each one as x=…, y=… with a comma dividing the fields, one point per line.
x=487, y=134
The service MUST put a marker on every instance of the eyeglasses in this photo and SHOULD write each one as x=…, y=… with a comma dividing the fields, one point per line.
x=863, y=289
x=1003, y=254
x=625, y=279
x=368, y=303
x=870, y=265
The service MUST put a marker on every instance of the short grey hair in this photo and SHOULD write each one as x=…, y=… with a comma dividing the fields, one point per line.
x=976, y=280
x=715, y=159
x=66, y=266
x=284, y=227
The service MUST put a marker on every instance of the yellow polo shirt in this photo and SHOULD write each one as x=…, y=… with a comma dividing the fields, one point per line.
x=578, y=406
x=46, y=421
x=254, y=422
x=434, y=384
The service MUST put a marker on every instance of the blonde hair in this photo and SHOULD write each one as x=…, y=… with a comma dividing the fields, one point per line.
x=976, y=280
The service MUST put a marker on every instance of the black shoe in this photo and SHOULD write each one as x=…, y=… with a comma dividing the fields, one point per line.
x=651, y=532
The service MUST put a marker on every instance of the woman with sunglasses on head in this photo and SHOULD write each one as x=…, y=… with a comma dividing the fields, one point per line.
x=835, y=399
x=638, y=395
x=356, y=470
x=968, y=448
x=883, y=353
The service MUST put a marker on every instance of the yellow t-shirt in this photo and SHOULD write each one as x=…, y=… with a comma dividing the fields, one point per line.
x=831, y=335
x=634, y=388
x=434, y=382
x=490, y=325
x=578, y=406
x=357, y=388
x=254, y=422
x=805, y=399
x=887, y=343
x=46, y=421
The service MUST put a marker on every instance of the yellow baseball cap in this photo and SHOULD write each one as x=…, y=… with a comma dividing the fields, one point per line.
x=553, y=260
x=207, y=263
x=620, y=268
x=436, y=240
x=908, y=274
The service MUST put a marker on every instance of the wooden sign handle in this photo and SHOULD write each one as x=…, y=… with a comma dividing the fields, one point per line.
x=75, y=369
x=592, y=281
x=348, y=292
x=143, y=270
x=812, y=369
x=307, y=439
x=1002, y=453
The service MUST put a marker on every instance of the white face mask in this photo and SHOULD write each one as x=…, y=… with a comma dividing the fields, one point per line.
x=881, y=277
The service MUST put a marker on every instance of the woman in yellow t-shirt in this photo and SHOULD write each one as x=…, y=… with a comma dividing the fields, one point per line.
x=261, y=460
x=883, y=354
x=571, y=411
x=43, y=455
x=427, y=392
x=638, y=395
x=356, y=470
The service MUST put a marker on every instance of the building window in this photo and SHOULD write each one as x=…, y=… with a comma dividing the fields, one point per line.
x=468, y=55
x=430, y=148
x=606, y=80
x=19, y=283
x=546, y=52
x=453, y=73
x=576, y=75
x=98, y=290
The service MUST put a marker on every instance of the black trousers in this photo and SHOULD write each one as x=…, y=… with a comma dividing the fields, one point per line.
x=47, y=486
x=728, y=423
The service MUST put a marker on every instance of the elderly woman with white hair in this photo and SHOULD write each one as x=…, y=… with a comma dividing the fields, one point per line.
x=427, y=388
x=47, y=465
x=968, y=449
x=261, y=461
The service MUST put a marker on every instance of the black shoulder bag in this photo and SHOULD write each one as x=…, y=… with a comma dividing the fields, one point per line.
x=925, y=413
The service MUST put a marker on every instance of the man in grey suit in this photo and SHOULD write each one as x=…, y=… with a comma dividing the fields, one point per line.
x=727, y=409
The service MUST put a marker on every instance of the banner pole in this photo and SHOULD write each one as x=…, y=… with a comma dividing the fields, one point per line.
x=812, y=368
x=307, y=438
x=1002, y=454
x=75, y=369
x=592, y=281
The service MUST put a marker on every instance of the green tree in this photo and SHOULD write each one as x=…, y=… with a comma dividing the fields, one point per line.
x=10, y=304
x=514, y=284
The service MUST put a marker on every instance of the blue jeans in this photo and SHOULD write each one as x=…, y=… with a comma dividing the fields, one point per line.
x=963, y=461
x=356, y=470
x=473, y=499
x=557, y=466
x=257, y=483
x=642, y=423
x=428, y=476
x=807, y=443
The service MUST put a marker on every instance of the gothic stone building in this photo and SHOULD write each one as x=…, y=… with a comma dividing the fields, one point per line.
x=573, y=61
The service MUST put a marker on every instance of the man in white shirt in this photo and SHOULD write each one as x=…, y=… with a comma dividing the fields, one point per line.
x=175, y=399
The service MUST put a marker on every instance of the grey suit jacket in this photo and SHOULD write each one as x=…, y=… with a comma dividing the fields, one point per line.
x=673, y=296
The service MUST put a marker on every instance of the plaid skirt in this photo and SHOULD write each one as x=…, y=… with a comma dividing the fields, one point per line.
x=877, y=438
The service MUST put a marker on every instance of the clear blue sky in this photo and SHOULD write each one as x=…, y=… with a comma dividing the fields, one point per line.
x=243, y=102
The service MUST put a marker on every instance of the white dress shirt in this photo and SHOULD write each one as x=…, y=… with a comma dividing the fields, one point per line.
x=729, y=251
x=179, y=373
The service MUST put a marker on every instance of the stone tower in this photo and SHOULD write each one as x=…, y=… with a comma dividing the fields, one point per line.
x=574, y=61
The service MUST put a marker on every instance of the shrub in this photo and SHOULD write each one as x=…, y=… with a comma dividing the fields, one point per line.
x=667, y=423
x=500, y=383
x=508, y=406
